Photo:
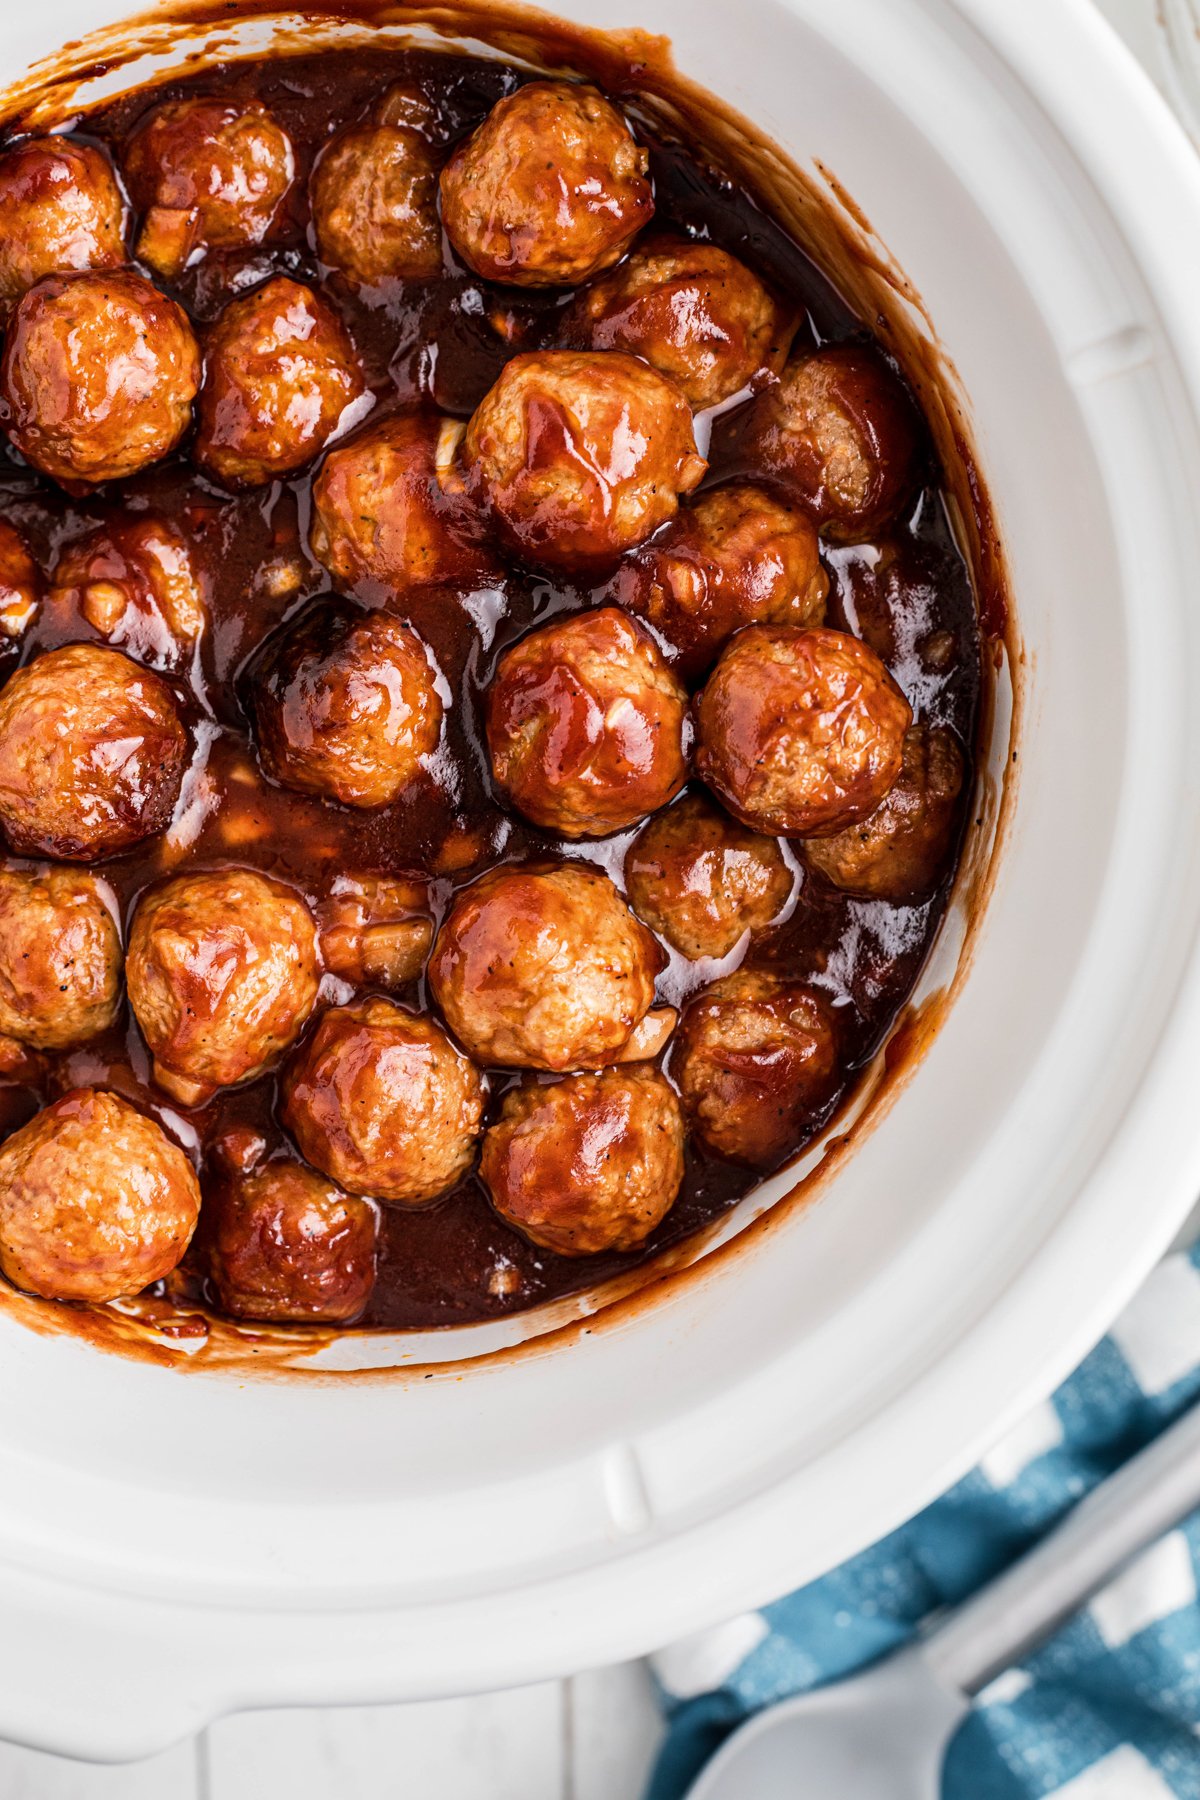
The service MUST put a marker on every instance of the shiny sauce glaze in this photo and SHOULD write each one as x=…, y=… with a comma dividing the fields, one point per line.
x=444, y=341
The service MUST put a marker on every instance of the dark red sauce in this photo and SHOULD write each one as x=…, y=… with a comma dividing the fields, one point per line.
x=456, y=1261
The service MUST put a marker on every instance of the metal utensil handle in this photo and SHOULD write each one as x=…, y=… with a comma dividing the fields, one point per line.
x=1140, y=1503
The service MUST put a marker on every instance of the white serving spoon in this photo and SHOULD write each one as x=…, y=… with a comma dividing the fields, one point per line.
x=882, y=1735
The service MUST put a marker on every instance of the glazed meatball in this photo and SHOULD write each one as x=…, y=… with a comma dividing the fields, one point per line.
x=60, y=958
x=285, y=1245
x=389, y=514
x=701, y=881
x=839, y=431
x=756, y=1063
x=60, y=209
x=380, y=1099
x=92, y=754
x=800, y=732
x=579, y=457
x=222, y=972
x=691, y=310
x=347, y=705
x=900, y=851
x=20, y=582
x=208, y=175
x=98, y=377
x=375, y=929
x=585, y=725
x=374, y=206
x=734, y=556
x=280, y=377
x=544, y=968
x=587, y=1164
x=95, y=1200
x=550, y=189
x=135, y=582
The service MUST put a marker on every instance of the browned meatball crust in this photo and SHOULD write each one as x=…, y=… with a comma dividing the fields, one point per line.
x=840, y=432
x=136, y=582
x=95, y=1200
x=701, y=881
x=693, y=311
x=60, y=958
x=375, y=929
x=390, y=514
x=20, y=582
x=98, y=376
x=347, y=705
x=374, y=206
x=280, y=376
x=60, y=209
x=287, y=1246
x=580, y=456
x=756, y=1063
x=380, y=1099
x=901, y=850
x=223, y=972
x=544, y=968
x=207, y=174
x=736, y=555
x=585, y=725
x=92, y=754
x=549, y=190
x=801, y=733
x=586, y=1164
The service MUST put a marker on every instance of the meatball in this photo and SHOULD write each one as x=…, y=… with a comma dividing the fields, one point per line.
x=550, y=189
x=60, y=209
x=92, y=754
x=98, y=377
x=544, y=968
x=280, y=377
x=222, y=972
x=95, y=1200
x=735, y=556
x=285, y=1245
x=586, y=1164
x=585, y=725
x=900, y=851
x=701, y=881
x=580, y=457
x=840, y=432
x=756, y=1063
x=208, y=174
x=135, y=582
x=60, y=958
x=691, y=310
x=388, y=513
x=375, y=929
x=20, y=582
x=380, y=1099
x=800, y=732
x=346, y=705
x=374, y=206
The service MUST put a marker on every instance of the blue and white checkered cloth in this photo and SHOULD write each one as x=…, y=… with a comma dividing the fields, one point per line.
x=1109, y=1708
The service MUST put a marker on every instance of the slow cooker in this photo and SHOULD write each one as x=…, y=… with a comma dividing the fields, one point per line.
x=416, y=1516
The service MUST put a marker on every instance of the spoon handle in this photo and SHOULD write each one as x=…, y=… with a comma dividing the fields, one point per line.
x=997, y=1627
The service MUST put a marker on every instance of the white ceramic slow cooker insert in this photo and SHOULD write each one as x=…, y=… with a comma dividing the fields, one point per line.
x=172, y=1546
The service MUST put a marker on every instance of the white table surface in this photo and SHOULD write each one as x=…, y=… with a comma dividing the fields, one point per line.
x=590, y=1738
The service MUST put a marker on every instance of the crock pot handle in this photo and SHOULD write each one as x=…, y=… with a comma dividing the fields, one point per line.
x=1105, y=1532
x=100, y=1677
